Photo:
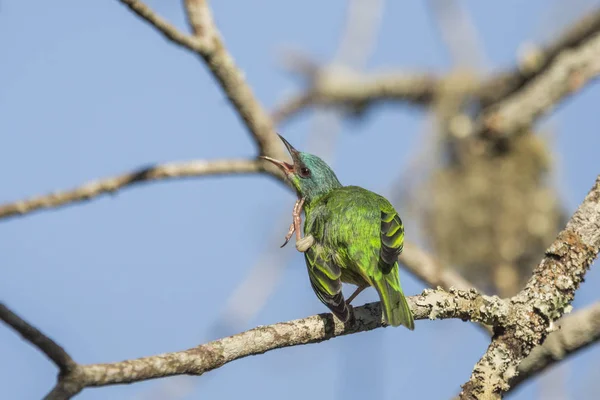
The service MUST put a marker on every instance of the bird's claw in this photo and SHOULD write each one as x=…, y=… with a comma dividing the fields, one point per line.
x=289, y=235
x=305, y=243
x=296, y=223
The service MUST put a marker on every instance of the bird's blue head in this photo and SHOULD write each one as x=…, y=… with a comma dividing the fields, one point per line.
x=311, y=177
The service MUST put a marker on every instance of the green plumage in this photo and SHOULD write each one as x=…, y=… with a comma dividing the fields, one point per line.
x=358, y=237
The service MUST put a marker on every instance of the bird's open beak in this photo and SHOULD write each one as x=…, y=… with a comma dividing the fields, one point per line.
x=285, y=167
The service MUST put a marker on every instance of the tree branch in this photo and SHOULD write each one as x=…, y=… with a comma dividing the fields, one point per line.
x=169, y=31
x=569, y=72
x=518, y=96
x=111, y=185
x=207, y=43
x=504, y=84
x=431, y=304
x=231, y=79
x=521, y=322
x=341, y=88
x=577, y=332
x=543, y=300
x=49, y=347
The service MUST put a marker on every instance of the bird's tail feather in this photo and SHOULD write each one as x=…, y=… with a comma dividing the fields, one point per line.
x=394, y=305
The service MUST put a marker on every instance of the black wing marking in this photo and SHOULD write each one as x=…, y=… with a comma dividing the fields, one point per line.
x=325, y=280
x=392, y=240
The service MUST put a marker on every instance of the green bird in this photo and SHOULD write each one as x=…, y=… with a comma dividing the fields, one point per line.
x=352, y=235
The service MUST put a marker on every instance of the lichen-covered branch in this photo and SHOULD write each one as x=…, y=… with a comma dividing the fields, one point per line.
x=543, y=300
x=49, y=347
x=577, y=332
x=466, y=305
x=431, y=304
x=88, y=191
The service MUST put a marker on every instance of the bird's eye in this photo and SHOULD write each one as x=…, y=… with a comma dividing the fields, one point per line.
x=304, y=172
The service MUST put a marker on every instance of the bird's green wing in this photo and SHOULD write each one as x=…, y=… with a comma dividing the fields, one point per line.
x=325, y=280
x=387, y=284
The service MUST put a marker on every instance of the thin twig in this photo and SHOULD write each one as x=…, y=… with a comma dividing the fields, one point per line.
x=88, y=191
x=340, y=88
x=169, y=31
x=34, y=336
x=207, y=43
x=231, y=79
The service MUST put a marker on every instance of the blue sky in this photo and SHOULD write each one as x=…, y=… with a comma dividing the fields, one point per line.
x=87, y=90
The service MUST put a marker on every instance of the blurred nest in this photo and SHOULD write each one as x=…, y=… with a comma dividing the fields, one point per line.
x=491, y=212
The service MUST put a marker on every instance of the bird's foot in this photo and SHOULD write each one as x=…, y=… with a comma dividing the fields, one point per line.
x=289, y=235
x=296, y=223
x=297, y=217
x=305, y=243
